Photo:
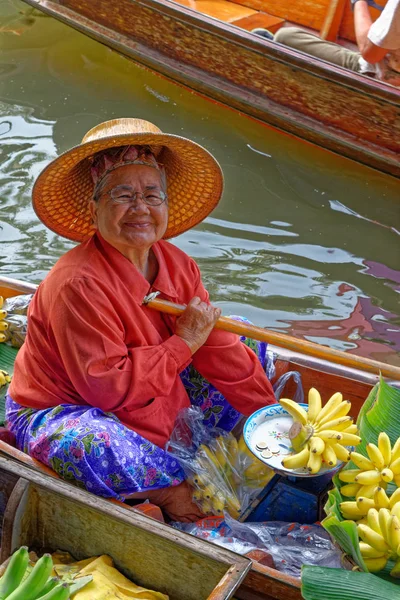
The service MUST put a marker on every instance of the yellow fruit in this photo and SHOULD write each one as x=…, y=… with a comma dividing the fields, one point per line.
x=3, y=314
x=384, y=518
x=218, y=505
x=380, y=498
x=341, y=452
x=368, y=551
x=330, y=436
x=2, y=338
x=314, y=463
x=1, y=301
x=297, y=461
x=394, y=533
x=385, y=447
x=367, y=491
x=361, y=461
x=375, y=564
x=395, y=467
x=350, y=510
x=206, y=507
x=209, y=491
x=365, y=504
x=349, y=490
x=314, y=404
x=373, y=520
x=387, y=475
x=369, y=536
x=349, y=439
x=336, y=424
x=349, y=475
x=368, y=477
x=329, y=456
x=341, y=410
x=332, y=403
x=394, y=498
x=317, y=445
x=3, y=325
x=375, y=455
x=395, y=451
x=352, y=429
x=395, y=510
x=297, y=412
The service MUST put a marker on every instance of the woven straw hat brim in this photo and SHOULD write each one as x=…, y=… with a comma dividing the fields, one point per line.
x=63, y=189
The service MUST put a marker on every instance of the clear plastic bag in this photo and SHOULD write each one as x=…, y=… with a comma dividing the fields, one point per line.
x=224, y=474
x=15, y=320
x=279, y=386
x=289, y=544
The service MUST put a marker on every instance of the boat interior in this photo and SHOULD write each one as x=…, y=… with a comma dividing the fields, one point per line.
x=331, y=20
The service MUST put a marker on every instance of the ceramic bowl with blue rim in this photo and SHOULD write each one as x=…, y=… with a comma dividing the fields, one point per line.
x=269, y=426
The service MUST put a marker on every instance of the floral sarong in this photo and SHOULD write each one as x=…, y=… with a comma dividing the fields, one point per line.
x=95, y=450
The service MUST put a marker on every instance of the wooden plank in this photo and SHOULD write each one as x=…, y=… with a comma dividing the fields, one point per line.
x=260, y=19
x=333, y=19
x=309, y=13
x=219, y=9
x=265, y=583
x=265, y=80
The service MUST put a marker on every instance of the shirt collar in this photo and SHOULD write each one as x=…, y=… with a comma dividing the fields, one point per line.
x=132, y=277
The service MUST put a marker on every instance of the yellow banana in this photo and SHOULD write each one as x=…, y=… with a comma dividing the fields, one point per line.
x=220, y=454
x=2, y=338
x=375, y=455
x=341, y=410
x=371, y=537
x=349, y=475
x=351, y=429
x=381, y=499
x=330, y=436
x=373, y=520
x=368, y=477
x=297, y=461
x=395, y=510
x=350, y=510
x=317, y=445
x=3, y=325
x=2, y=380
x=209, y=491
x=365, y=504
x=376, y=564
x=197, y=495
x=394, y=498
x=206, y=507
x=368, y=551
x=384, y=518
x=395, y=467
x=314, y=463
x=337, y=424
x=361, y=461
x=329, y=456
x=3, y=314
x=297, y=412
x=341, y=452
x=1, y=301
x=394, y=533
x=367, y=491
x=218, y=504
x=332, y=403
x=349, y=490
x=387, y=475
x=314, y=404
x=395, y=451
x=233, y=449
x=349, y=439
x=385, y=447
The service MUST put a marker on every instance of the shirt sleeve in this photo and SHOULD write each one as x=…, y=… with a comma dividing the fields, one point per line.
x=385, y=31
x=232, y=367
x=104, y=372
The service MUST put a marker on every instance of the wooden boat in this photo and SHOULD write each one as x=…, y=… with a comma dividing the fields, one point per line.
x=206, y=45
x=261, y=582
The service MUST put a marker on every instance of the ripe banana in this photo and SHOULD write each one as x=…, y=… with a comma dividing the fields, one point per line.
x=350, y=490
x=321, y=432
x=381, y=539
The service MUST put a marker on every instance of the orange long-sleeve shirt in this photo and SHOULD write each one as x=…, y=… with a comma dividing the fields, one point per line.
x=91, y=341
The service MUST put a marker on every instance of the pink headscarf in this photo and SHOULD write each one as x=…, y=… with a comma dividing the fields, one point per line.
x=107, y=160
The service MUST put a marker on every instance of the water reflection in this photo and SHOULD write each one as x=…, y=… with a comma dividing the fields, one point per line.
x=295, y=224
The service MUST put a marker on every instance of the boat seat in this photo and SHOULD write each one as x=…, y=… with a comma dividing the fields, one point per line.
x=236, y=14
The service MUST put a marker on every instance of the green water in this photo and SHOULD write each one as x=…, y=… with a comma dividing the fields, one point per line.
x=303, y=241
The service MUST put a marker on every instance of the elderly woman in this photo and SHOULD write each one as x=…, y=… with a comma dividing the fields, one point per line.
x=101, y=377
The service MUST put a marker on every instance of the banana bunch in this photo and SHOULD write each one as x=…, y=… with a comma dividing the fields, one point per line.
x=256, y=474
x=380, y=536
x=321, y=434
x=3, y=323
x=356, y=510
x=4, y=380
x=381, y=468
x=215, y=479
x=38, y=584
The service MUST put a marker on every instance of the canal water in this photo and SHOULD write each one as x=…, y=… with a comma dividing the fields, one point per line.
x=304, y=241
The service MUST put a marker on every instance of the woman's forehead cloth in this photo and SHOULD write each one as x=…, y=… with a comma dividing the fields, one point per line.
x=107, y=160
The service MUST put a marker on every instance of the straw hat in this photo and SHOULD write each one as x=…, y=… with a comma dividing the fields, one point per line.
x=63, y=189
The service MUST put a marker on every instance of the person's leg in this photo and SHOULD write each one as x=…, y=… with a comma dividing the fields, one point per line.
x=93, y=449
x=297, y=38
x=217, y=410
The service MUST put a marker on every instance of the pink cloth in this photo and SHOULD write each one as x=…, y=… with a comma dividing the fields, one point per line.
x=107, y=160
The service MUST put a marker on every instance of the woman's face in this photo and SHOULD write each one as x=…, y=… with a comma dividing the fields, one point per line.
x=134, y=225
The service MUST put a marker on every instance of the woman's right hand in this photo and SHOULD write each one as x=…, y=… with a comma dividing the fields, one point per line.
x=196, y=323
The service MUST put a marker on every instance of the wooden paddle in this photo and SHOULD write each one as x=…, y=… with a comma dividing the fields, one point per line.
x=284, y=341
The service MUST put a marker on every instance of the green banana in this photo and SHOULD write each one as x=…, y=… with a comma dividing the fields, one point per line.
x=14, y=573
x=36, y=580
x=49, y=585
x=60, y=592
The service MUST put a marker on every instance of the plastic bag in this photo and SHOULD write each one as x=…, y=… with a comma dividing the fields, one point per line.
x=225, y=476
x=279, y=386
x=14, y=324
x=289, y=544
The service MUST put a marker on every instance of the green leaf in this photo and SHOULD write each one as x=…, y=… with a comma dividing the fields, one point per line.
x=323, y=583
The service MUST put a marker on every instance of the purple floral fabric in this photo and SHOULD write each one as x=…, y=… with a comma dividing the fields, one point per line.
x=95, y=450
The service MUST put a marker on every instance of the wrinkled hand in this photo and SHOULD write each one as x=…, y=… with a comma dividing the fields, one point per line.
x=196, y=323
x=369, y=2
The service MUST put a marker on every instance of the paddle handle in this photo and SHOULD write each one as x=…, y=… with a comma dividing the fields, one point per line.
x=287, y=341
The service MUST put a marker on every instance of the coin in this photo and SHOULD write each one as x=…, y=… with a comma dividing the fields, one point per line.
x=266, y=453
x=262, y=446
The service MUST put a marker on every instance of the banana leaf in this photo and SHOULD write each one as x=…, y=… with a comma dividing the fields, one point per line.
x=380, y=412
x=7, y=359
x=323, y=583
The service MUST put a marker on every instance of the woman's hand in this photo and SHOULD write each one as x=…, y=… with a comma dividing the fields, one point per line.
x=196, y=323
